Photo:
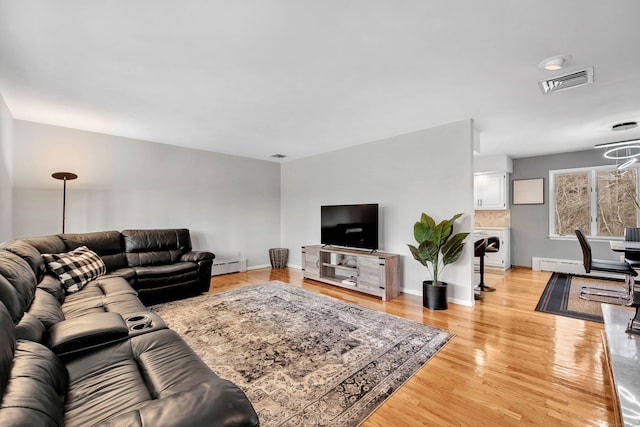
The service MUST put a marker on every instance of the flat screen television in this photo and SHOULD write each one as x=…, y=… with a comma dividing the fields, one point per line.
x=352, y=226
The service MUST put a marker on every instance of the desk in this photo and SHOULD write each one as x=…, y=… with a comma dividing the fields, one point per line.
x=624, y=246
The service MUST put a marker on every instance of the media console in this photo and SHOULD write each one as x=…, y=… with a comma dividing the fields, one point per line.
x=374, y=273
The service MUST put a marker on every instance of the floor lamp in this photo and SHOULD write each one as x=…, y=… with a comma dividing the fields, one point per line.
x=64, y=176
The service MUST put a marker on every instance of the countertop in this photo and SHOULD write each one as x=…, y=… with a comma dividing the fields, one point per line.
x=491, y=228
x=623, y=351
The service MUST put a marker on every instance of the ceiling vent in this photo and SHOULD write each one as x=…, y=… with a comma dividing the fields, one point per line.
x=567, y=81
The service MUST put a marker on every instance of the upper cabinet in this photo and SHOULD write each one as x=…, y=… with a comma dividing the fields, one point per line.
x=490, y=191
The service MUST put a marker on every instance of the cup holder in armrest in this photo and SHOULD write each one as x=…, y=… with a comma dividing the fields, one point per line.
x=144, y=322
x=142, y=325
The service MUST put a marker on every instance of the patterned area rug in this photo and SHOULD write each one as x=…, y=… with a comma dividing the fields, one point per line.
x=303, y=359
x=561, y=296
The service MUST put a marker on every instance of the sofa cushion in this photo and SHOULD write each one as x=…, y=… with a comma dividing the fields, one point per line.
x=51, y=284
x=101, y=287
x=30, y=328
x=127, y=273
x=36, y=389
x=17, y=284
x=76, y=268
x=103, y=383
x=158, y=276
x=122, y=304
x=155, y=247
x=164, y=239
x=10, y=299
x=154, y=379
x=29, y=254
x=107, y=244
x=153, y=257
x=106, y=293
x=46, y=308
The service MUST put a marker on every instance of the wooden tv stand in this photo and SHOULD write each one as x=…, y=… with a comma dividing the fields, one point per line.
x=374, y=273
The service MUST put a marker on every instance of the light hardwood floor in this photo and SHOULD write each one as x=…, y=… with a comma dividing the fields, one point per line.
x=507, y=365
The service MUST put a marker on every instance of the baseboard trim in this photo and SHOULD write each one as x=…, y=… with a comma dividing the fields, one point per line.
x=567, y=266
x=451, y=300
x=256, y=267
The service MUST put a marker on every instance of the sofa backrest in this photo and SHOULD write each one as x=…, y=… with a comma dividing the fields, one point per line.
x=28, y=253
x=17, y=284
x=33, y=380
x=7, y=347
x=47, y=244
x=155, y=247
x=107, y=244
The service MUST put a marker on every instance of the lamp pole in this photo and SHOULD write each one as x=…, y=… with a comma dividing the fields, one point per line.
x=64, y=176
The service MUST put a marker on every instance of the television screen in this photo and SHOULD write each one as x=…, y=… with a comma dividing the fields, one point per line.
x=354, y=226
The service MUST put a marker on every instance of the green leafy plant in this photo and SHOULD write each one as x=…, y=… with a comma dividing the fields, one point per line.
x=437, y=247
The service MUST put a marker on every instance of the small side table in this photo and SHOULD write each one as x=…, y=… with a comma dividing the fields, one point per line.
x=278, y=257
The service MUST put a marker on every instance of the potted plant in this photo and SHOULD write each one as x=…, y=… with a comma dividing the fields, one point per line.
x=437, y=247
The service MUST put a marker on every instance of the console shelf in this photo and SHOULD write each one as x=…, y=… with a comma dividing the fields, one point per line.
x=374, y=273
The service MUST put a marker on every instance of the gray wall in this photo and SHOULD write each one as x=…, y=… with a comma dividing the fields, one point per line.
x=231, y=204
x=6, y=189
x=427, y=171
x=530, y=223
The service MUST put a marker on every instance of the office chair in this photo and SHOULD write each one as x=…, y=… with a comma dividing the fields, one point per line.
x=619, y=267
x=632, y=234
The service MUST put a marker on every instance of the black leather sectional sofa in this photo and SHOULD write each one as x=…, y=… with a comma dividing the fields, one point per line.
x=98, y=356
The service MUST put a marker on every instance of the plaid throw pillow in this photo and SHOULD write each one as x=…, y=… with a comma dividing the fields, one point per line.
x=76, y=268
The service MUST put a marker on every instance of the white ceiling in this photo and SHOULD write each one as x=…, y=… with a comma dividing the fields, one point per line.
x=300, y=77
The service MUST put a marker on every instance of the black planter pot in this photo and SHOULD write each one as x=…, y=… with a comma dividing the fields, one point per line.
x=434, y=297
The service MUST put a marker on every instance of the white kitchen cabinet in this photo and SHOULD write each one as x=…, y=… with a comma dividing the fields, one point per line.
x=490, y=191
x=502, y=258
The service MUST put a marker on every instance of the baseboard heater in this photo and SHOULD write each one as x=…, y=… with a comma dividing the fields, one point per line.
x=224, y=266
x=567, y=266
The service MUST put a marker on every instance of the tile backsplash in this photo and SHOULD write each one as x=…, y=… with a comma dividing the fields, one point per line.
x=500, y=218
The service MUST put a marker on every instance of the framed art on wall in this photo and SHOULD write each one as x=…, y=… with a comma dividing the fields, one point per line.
x=528, y=191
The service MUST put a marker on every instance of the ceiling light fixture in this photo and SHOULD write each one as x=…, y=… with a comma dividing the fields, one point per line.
x=555, y=63
x=618, y=144
x=623, y=152
x=624, y=126
x=627, y=151
x=627, y=163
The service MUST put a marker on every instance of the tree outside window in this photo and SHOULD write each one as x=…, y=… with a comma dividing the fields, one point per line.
x=600, y=201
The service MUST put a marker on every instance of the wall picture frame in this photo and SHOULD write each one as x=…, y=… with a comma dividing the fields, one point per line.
x=528, y=191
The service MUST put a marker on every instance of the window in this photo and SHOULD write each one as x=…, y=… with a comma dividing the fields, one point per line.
x=599, y=200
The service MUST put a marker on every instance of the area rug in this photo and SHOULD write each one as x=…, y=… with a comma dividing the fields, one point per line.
x=303, y=359
x=561, y=296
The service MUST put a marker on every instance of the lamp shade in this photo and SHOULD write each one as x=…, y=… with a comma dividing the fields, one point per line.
x=67, y=176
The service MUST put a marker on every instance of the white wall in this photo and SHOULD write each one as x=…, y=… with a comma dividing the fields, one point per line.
x=6, y=189
x=498, y=163
x=530, y=223
x=427, y=171
x=231, y=204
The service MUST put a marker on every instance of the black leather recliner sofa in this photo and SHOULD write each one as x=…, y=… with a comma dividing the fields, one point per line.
x=159, y=264
x=98, y=356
